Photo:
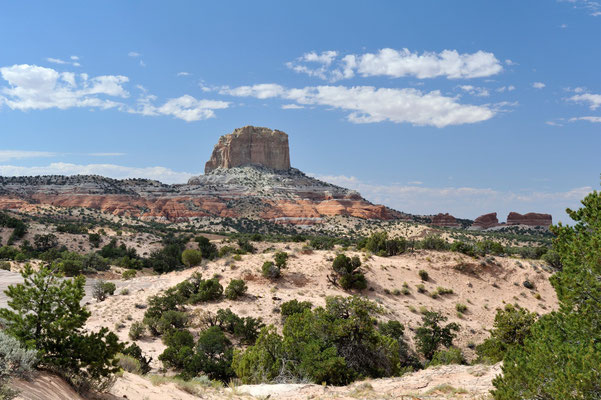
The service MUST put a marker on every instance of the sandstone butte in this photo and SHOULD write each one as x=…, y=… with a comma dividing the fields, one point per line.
x=248, y=175
x=530, y=219
x=446, y=220
x=251, y=146
x=486, y=221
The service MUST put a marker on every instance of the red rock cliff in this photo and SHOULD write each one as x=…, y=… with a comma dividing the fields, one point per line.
x=530, y=219
x=444, y=220
x=486, y=221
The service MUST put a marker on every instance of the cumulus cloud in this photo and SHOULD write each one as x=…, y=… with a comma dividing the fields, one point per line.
x=165, y=175
x=502, y=89
x=465, y=202
x=367, y=104
x=593, y=100
x=37, y=88
x=31, y=87
x=185, y=107
x=398, y=63
x=475, y=90
x=538, y=85
x=73, y=61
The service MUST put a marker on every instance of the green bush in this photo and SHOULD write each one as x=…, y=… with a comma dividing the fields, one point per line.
x=511, y=327
x=294, y=306
x=281, y=258
x=452, y=355
x=207, y=249
x=350, y=275
x=462, y=247
x=208, y=290
x=335, y=344
x=270, y=270
x=94, y=239
x=379, y=243
x=433, y=243
x=15, y=361
x=235, y=289
x=246, y=329
x=212, y=356
x=191, y=257
x=552, y=258
x=5, y=265
x=137, y=330
x=135, y=352
x=431, y=335
x=423, y=275
x=101, y=289
x=47, y=315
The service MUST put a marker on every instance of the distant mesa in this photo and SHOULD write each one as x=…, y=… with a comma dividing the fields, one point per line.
x=530, y=219
x=251, y=145
x=445, y=220
x=486, y=221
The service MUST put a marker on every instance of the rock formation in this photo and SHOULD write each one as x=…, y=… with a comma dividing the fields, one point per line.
x=251, y=146
x=445, y=220
x=486, y=221
x=530, y=219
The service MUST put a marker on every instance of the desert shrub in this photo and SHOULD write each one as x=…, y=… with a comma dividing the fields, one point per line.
x=212, y=355
x=191, y=257
x=433, y=243
x=246, y=329
x=270, y=270
x=334, y=344
x=552, y=258
x=5, y=265
x=101, y=289
x=47, y=315
x=179, y=349
x=489, y=247
x=246, y=247
x=461, y=308
x=135, y=352
x=15, y=361
x=528, y=285
x=128, y=274
x=379, y=243
x=45, y=242
x=322, y=243
x=129, y=364
x=19, y=227
x=511, y=327
x=137, y=330
x=208, y=290
x=452, y=355
x=71, y=266
x=464, y=248
x=294, y=306
x=171, y=320
x=236, y=288
x=94, y=262
x=225, y=251
x=207, y=249
x=350, y=275
x=94, y=239
x=431, y=335
x=281, y=258
x=423, y=275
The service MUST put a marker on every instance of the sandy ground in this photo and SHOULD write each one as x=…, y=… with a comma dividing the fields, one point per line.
x=443, y=382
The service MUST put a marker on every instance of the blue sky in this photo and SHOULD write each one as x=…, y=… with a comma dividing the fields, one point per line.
x=464, y=107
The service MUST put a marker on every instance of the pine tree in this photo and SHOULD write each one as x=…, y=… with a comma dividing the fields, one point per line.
x=561, y=358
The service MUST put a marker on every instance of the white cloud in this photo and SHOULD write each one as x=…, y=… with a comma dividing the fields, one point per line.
x=6, y=155
x=37, y=88
x=185, y=107
x=398, y=63
x=183, y=73
x=465, y=202
x=142, y=63
x=589, y=119
x=134, y=54
x=55, y=60
x=593, y=7
x=510, y=62
x=509, y=88
x=74, y=61
x=538, y=85
x=74, y=58
x=162, y=174
x=291, y=107
x=593, y=100
x=563, y=26
x=475, y=91
x=368, y=104
x=553, y=123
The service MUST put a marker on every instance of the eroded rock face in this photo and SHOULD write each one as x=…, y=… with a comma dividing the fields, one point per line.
x=530, y=219
x=251, y=146
x=486, y=221
x=445, y=220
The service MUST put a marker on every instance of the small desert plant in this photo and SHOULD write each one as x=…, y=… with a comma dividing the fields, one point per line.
x=235, y=289
x=137, y=330
x=128, y=274
x=101, y=289
x=423, y=275
x=461, y=308
x=270, y=270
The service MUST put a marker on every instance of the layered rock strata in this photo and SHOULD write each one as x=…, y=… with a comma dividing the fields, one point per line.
x=446, y=220
x=251, y=146
x=530, y=219
x=486, y=221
